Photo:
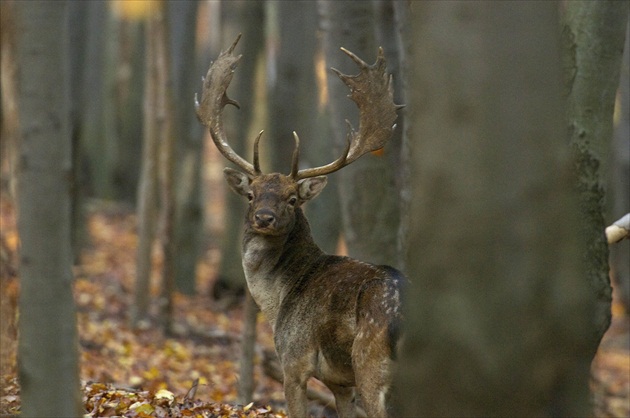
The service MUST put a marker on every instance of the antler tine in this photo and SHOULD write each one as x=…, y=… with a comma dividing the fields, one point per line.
x=328, y=168
x=214, y=98
x=362, y=64
x=256, y=163
x=372, y=91
x=296, y=156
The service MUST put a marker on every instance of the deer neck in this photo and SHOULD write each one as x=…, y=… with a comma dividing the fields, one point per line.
x=273, y=263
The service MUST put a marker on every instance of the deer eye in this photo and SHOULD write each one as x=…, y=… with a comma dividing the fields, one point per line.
x=292, y=200
x=250, y=196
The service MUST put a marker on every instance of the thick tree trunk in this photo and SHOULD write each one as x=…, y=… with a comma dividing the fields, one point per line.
x=367, y=189
x=621, y=177
x=593, y=36
x=48, y=343
x=499, y=311
x=245, y=16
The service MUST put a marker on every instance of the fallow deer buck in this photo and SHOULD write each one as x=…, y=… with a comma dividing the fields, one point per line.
x=333, y=317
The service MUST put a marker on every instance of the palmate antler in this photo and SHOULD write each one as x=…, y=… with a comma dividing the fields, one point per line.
x=371, y=90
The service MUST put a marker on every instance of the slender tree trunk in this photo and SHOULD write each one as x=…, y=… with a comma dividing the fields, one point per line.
x=128, y=111
x=78, y=35
x=189, y=203
x=367, y=189
x=147, y=188
x=593, y=34
x=165, y=128
x=499, y=310
x=48, y=344
x=98, y=133
x=391, y=20
x=248, y=350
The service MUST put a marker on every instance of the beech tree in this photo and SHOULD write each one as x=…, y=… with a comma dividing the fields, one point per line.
x=48, y=344
x=502, y=309
x=593, y=35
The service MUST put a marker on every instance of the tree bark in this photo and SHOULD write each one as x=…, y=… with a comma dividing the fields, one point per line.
x=367, y=188
x=165, y=128
x=593, y=35
x=48, y=343
x=499, y=310
x=619, y=264
x=147, y=187
x=190, y=150
x=246, y=382
x=128, y=109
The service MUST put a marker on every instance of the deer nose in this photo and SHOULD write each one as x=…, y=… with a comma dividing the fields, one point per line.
x=264, y=218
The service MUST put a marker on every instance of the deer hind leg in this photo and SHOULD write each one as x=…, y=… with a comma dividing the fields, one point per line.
x=374, y=346
x=373, y=380
x=372, y=365
x=344, y=400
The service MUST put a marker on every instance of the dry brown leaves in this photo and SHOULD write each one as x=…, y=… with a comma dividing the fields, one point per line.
x=139, y=373
x=142, y=373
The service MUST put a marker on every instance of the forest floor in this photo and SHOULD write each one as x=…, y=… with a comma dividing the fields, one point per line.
x=140, y=373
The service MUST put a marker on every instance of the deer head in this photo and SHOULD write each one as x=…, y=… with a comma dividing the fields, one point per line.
x=273, y=195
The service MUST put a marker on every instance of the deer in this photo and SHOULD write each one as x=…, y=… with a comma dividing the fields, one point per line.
x=333, y=318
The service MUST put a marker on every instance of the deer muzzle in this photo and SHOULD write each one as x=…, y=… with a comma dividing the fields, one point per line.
x=265, y=218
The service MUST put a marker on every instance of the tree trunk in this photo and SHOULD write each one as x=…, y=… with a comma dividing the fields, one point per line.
x=593, y=34
x=98, y=134
x=147, y=187
x=128, y=109
x=165, y=128
x=391, y=22
x=499, y=311
x=621, y=178
x=367, y=189
x=248, y=350
x=48, y=343
x=78, y=34
x=189, y=206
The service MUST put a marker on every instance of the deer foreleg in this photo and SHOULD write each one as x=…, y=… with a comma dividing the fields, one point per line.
x=295, y=394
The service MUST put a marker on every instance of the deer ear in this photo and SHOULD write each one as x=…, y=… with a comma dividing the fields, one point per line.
x=311, y=187
x=239, y=182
